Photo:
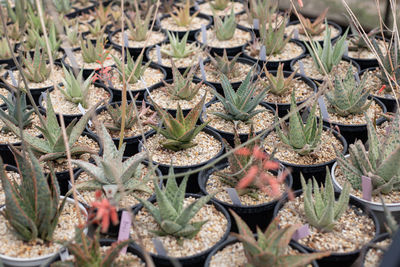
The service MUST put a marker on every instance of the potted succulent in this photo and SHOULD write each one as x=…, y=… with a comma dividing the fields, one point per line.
x=188, y=226
x=280, y=83
x=381, y=158
x=181, y=143
x=220, y=8
x=181, y=20
x=238, y=110
x=306, y=148
x=183, y=89
x=270, y=248
x=224, y=36
x=34, y=215
x=235, y=68
x=347, y=102
x=5, y=54
x=278, y=47
x=336, y=223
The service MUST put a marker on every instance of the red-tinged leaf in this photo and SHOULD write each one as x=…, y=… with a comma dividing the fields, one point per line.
x=290, y=194
x=248, y=178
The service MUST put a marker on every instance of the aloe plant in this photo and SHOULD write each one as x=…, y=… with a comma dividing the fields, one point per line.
x=179, y=48
x=92, y=53
x=18, y=13
x=380, y=163
x=14, y=109
x=36, y=69
x=139, y=27
x=219, y=4
x=72, y=34
x=261, y=10
x=272, y=36
x=4, y=49
x=171, y=216
x=62, y=6
x=240, y=105
x=348, y=96
x=330, y=55
x=137, y=67
x=313, y=28
x=223, y=64
x=279, y=84
x=320, y=208
x=182, y=16
x=97, y=29
x=54, y=41
x=303, y=139
x=180, y=131
x=270, y=248
x=224, y=30
x=33, y=205
x=110, y=171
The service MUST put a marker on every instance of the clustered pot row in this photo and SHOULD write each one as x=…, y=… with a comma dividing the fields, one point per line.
x=192, y=111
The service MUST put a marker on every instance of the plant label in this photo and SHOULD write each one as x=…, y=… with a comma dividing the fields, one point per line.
x=124, y=228
x=204, y=34
x=158, y=52
x=203, y=72
x=256, y=24
x=322, y=106
x=158, y=245
x=81, y=109
x=301, y=68
x=13, y=81
x=233, y=195
x=126, y=40
x=196, y=6
x=204, y=112
x=366, y=186
x=158, y=19
x=357, y=77
x=263, y=53
x=296, y=33
x=64, y=254
x=44, y=96
x=302, y=232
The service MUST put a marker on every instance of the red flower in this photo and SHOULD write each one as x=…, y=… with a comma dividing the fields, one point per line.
x=105, y=212
x=271, y=165
x=300, y=3
x=243, y=151
x=248, y=178
x=258, y=153
x=382, y=88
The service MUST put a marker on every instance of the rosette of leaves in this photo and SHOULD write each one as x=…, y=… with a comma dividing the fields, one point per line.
x=348, y=96
x=97, y=29
x=261, y=10
x=180, y=131
x=182, y=15
x=62, y=6
x=279, y=84
x=15, y=109
x=92, y=53
x=223, y=65
x=270, y=248
x=179, y=48
x=313, y=28
x=171, y=216
x=219, y=4
x=272, y=36
x=4, y=49
x=133, y=69
x=379, y=163
x=138, y=27
x=320, y=207
x=35, y=68
x=224, y=30
x=302, y=138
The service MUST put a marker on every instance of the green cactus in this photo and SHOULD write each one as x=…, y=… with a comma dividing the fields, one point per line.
x=111, y=171
x=270, y=249
x=51, y=146
x=303, y=139
x=14, y=109
x=180, y=131
x=380, y=163
x=33, y=206
x=4, y=49
x=279, y=84
x=183, y=86
x=223, y=65
x=179, y=48
x=137, y=67
x=330, y=55
x=172, y=218
x=240, y=105
x=139, y=28
x=348, y=96
x=272, y=36
x=224, y=30
x=36, y=69
x=76, y=89
x=320, y=208
x=219, y=4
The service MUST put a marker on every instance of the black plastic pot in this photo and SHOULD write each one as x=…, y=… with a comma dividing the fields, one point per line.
x=173, y=109
x=252, y=29
x=232, y=240
x=192, y=185
x=117, y=94
x=191, y=32
x=231, y=51
x=196, y=260
x=134, y=51
x=316, y=170
x=361, y=259
x=389, y=102
x=335, y=259
x=9, y=63
x=229, y=136
x=283, y=108
x=273, y=65
x=318, y=81
x=356, y=132
x=132, y=143
x=79, y=11
x=331, y=23
x=254, y=215
x=235, y=85
x=69, y=118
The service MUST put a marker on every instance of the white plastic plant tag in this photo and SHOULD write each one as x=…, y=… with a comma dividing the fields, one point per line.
x=256, y=24
x=203, y=72
x=81, y=109
x=233, y=195
x=301, y=68
x=302, y=232
x=124, y=229
x=64, y=254
x=366, y=186
x=158, y=245
x=158, y=21
x=263, y=53
x=126, y=40
x=13, y=81
x=158, y=52
x=44, y=96
x=322, y=106
x=204, y=112
x=196, y=6
x=296, y=33
x=204, y=34
x=357, y=77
